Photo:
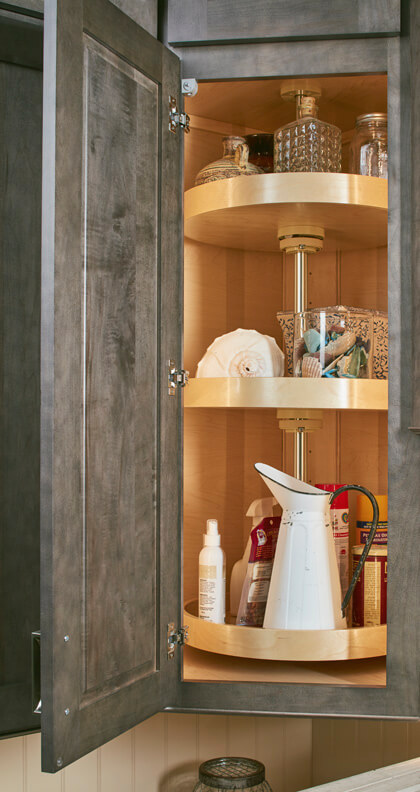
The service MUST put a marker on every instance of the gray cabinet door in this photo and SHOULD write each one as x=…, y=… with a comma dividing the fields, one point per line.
x=110, y=433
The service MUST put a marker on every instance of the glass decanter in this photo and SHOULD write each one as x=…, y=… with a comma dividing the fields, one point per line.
x=307, y=144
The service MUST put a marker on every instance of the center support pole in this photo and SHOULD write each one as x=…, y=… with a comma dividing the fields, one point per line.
x=300, y=455
x=301, y=280
x=301, y=241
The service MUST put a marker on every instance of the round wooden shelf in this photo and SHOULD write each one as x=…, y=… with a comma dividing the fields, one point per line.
x=287, y=392
x=245, y=212
x=291, y=645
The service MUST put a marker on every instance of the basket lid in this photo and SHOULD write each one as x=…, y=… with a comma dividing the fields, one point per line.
x=231, y=772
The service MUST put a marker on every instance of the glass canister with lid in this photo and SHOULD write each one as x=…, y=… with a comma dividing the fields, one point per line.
x=369, y=147
x=233, y=773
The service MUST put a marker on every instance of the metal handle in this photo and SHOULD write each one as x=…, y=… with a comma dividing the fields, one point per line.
x=369, y=540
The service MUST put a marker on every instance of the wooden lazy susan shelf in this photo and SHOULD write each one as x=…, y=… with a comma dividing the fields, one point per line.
x=289, y=645
x=245, y=212
x=287, y=393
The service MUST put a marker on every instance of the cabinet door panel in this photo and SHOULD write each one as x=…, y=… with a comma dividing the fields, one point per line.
x=110, y=432
x=119, y=367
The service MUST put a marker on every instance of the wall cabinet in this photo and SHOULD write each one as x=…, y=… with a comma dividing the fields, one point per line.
x=111, y=317
x=229, y=287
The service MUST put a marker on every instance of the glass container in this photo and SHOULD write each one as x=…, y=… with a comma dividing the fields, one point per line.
x=261, y=151
x=233, y=773
x=286, y=320
x=369, y=147
x=333, y=342
x=234, y=162
x=307, y=144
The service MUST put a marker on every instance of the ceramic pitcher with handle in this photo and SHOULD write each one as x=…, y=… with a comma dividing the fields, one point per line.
x=305, y=592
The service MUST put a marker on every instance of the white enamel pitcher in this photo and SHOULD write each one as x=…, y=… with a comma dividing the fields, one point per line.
x=305, y=592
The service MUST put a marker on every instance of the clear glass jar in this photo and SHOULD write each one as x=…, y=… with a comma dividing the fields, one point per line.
x=307, y=144
x=369, y=147
x=232, y=772
x=286, y=320
x=333, y=342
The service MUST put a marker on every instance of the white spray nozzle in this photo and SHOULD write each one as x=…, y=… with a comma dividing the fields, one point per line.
x=212, y=536
x=212, y=528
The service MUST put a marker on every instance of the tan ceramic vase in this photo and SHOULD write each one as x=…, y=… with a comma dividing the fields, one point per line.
x=233, y=163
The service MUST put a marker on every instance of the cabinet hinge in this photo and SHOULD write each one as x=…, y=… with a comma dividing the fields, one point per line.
x=177, y=378
x=176, y=638
x=177, y=119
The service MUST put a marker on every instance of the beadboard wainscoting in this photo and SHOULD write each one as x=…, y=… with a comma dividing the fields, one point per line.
x=163, y=754
x=341, y=748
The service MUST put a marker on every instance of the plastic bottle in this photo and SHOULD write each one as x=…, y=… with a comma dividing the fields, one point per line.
x=212, y=577
x=262, y=507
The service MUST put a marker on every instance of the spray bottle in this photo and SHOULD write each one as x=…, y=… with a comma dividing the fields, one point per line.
x=260, y=508
x=212, y=577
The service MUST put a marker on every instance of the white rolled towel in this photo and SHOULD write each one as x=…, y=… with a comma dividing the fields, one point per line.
x=242, y=353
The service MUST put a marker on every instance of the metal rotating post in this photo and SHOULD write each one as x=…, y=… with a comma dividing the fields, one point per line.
x=301, y=279
x=301, y=454
x=301, y=241
x=301, y=302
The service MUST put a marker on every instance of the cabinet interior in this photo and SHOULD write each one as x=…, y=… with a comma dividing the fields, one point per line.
x=230, y=288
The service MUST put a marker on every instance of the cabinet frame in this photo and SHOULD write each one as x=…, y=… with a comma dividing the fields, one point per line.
x=212, y=21
x=394, y=56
